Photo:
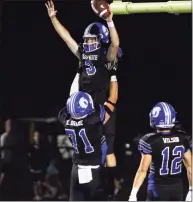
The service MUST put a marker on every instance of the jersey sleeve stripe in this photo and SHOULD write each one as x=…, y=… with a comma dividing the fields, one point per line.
x=103, y=139
x=102, y=113
x=145, y=144
x=144, y=150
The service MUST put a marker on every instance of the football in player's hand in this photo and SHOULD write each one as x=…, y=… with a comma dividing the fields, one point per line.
x=101, y=8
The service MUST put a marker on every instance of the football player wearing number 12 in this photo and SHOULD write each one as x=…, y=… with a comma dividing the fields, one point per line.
x=163, y=152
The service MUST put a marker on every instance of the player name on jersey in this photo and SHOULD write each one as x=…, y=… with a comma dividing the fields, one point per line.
x=89, y=57
x=171, y=140
x=74, y=123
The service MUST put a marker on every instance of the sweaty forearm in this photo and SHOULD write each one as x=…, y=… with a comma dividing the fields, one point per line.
x=61, y=30
x=113, y=34
x=113, y=48
x=188, y=164
x=139, y=178
x=138, y=181
x=113, y=95
x=65, y=35
x=189, y=175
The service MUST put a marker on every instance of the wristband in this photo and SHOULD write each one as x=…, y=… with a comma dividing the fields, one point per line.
x=190, y=188
x=110, y=24
x=113, y=78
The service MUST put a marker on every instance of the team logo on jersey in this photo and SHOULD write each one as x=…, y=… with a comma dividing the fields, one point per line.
x=89, y=57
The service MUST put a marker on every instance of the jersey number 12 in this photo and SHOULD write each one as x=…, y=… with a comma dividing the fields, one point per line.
x=176, y=166
x=82, y=134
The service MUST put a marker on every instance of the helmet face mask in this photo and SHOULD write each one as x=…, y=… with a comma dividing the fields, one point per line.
x=91, y=43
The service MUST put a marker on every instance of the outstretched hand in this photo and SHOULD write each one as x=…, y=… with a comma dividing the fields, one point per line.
x=50, y=8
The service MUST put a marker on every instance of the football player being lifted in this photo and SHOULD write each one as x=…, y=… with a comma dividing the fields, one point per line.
x=93, y=77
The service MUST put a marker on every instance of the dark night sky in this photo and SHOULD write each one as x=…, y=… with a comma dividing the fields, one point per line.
x=38, y=68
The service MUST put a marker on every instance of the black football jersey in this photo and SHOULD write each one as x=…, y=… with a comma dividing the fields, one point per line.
x=85, y=136
x=167, y=152
x=94, y=76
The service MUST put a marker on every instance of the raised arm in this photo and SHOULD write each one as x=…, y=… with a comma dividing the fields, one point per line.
x=113, y=91
x=113, y=48
x=61, y=30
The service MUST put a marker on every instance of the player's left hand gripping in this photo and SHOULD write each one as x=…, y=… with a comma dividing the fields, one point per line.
x=110, y=17
x=189, y=195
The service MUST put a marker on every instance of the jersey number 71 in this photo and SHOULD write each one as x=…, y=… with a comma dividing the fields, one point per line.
x=82, y=134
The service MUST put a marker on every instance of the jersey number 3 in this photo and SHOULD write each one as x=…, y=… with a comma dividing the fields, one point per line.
x=82, y=134
x=176, y=166
x=91, y=69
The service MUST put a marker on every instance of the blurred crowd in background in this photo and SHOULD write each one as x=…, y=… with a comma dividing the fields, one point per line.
x=36, y=167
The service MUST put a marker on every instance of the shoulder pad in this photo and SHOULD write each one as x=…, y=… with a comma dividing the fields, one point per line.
x=188, y=141
x=181, y=131
x=145, y=145
x=148, y=136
